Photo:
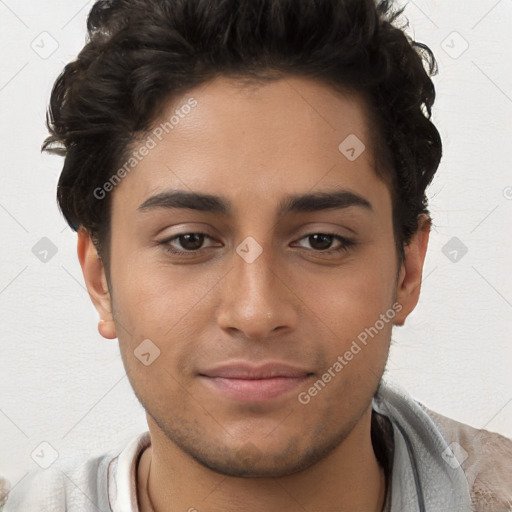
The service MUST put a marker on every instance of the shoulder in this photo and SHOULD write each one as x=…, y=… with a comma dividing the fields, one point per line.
x=486, y=459
x=38, y=490
x=70, y=489
x=105, y=482
x=475, y=463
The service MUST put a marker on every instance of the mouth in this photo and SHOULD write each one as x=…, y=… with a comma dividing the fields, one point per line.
x=247, y=383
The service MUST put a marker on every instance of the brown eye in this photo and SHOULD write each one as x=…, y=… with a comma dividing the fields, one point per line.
x=320, y=241
x=191, y=241
x=185, y=243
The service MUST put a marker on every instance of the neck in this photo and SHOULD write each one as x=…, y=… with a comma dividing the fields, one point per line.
x=349, y=478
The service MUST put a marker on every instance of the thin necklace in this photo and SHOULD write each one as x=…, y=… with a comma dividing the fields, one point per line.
x=147, y=487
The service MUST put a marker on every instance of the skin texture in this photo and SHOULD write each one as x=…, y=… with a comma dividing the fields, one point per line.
x=294, y=303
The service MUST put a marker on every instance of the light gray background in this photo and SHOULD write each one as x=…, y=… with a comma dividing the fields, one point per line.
x=65, y=385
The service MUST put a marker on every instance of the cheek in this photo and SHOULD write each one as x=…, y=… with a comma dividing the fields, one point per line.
x=356, y=327
x=354, y=313
x=166, y=305
x=152, y=296
x=352, y=298
x=156, y=305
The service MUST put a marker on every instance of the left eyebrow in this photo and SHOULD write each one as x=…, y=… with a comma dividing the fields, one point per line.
x=318, y=201
x=323, y=201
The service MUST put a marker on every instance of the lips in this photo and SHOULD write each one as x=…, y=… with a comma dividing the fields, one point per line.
x=249, y=383
x=248, y=371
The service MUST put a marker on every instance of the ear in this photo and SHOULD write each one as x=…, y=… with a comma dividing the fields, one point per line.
x=96, y=282
x=411, y=270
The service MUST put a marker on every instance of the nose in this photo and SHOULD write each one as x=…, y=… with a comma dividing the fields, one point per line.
x=257, y=299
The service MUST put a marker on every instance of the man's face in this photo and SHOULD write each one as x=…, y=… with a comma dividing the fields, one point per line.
x=301, y=302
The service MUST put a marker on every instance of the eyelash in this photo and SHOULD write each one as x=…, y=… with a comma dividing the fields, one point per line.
x=346, y=244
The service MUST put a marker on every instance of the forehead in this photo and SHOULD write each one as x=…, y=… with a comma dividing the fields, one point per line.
x=254, y=143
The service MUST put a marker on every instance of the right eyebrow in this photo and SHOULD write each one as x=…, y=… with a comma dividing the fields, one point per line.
x=183, y=199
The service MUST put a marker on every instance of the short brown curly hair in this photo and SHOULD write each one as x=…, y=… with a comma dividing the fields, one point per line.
x=140, y=53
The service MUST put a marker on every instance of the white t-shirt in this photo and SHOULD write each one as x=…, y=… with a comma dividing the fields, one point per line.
x=436, y=465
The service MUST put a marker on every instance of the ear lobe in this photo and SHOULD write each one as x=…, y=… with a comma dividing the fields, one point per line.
x=96, y=282
x=411, y=271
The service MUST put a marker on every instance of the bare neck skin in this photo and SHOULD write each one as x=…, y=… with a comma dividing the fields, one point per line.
x=349, y=479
